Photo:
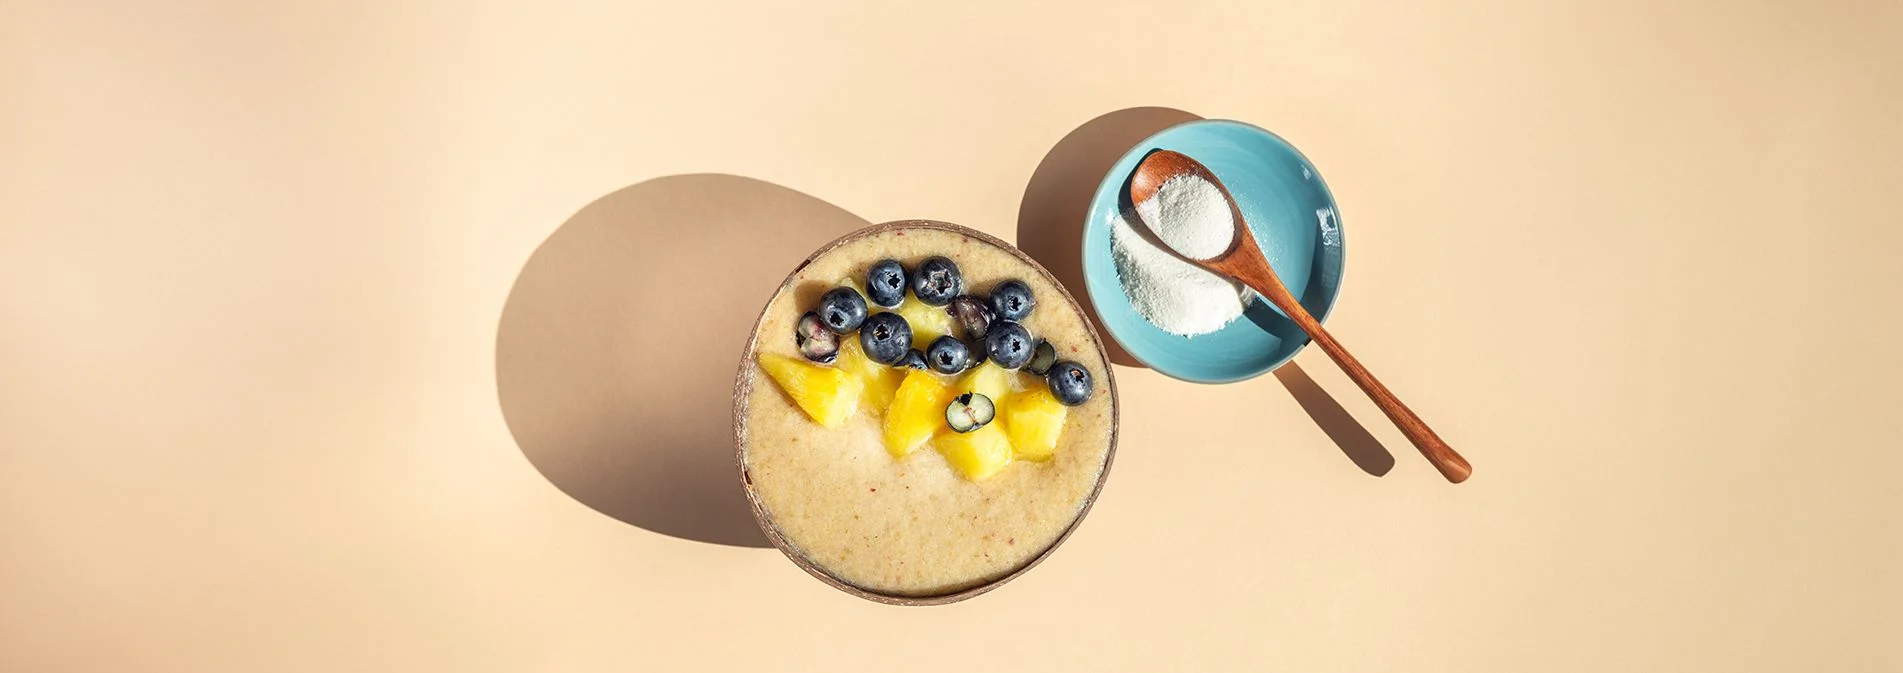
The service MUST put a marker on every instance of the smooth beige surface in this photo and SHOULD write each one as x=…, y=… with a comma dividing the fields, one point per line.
x=1637, y=260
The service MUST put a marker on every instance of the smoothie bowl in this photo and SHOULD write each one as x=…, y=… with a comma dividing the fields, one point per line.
x=922, y=414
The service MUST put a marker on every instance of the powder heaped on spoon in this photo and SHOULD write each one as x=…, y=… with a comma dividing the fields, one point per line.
x=1176, y=296
x=1191, y=215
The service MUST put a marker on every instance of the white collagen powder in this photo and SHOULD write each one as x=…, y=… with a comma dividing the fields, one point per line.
x=1172, y=294
x=1191, y=215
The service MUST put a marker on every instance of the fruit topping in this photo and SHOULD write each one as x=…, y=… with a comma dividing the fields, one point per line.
x=972, y=314
x=947, y=355
x=1012, y=300
x=1034, y=420
x=885, y=283
x=928, y=323
x=880, y=381
x=885, y=337
x=814, y=340
x=1042, y=358
x=977, y=454
x=969, y=412
x=897, y=364
x=827, y=394
x=936, y=281
x=1008, y=344
x=842, y=309
x=1069, y=383
x=917, y=412
x=989, y=380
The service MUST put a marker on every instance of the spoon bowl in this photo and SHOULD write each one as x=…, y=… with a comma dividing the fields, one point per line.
x=1161, y=165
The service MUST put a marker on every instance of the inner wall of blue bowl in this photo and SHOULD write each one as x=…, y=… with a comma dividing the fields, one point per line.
x=1293, y=218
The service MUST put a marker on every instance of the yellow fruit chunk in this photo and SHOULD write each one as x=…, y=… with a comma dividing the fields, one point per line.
x=928, y=322
x=977, y=454
x=917, y=412
x=881, y=382
x=989, y=380
x=1033, y=419
x=829, y=395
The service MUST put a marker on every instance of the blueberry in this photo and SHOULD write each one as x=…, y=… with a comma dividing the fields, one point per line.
x=913, y=359
x=842, y=309
x=1008, y=344
x=1012, y=300
x=1042, y=358
x=885, y=283
x=815, y=342
x=972, y=314
x=1069, y=382
x=947, y=355
x=936, y=281
x=885, y=337
x=969, y=412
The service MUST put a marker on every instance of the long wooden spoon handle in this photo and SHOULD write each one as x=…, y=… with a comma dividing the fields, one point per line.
x=1449, y=462
x=1444, y=458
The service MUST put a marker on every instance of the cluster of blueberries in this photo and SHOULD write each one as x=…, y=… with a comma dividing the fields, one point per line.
x=994, y=324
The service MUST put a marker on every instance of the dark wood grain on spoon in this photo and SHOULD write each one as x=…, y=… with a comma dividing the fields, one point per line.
x=1244, y=261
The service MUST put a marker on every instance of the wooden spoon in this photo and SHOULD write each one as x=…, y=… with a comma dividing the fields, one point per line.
x=1243, y=261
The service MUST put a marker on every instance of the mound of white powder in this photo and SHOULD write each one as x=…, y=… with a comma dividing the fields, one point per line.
x=1170, y=293
x=1190, y=215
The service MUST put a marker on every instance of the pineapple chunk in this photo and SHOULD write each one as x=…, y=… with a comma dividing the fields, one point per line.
x=828, y=395
x=977, y=454
x=988, y=380
x=1033, y=419
x=917, y=412
x=928, y=322
x=881, y=382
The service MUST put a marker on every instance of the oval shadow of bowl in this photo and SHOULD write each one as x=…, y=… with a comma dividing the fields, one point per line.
x=615, y=352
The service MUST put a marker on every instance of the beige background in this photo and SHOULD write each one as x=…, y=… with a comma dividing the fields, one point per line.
x=262, y=406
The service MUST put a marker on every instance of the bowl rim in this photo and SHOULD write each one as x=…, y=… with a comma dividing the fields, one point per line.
x=1083, y=244
x=743, y=388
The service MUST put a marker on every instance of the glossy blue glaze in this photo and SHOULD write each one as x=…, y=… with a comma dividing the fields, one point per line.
x=1293, y=217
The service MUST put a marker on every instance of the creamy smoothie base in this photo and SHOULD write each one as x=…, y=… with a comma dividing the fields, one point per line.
x=913, y=527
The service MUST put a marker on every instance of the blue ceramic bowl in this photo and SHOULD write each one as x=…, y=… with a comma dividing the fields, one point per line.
x=1294, y=219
